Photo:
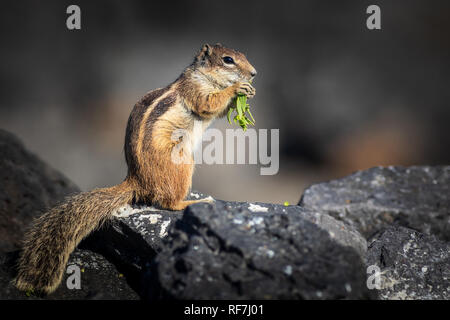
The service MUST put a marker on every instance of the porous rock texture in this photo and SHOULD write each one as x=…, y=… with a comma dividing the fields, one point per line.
x=392, y=223
x=370, y=200
x=405, y=215
x=412, y=265
x=254, y=251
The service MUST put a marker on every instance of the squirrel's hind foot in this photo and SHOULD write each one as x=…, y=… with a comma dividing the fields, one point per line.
x=183, y=204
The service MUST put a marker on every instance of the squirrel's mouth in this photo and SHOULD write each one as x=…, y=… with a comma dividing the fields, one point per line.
x=251, y=76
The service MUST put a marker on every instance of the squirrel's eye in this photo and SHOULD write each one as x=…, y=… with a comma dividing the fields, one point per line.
x=228, y=60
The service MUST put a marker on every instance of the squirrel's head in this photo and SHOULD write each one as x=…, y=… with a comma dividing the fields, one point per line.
x=223, y=66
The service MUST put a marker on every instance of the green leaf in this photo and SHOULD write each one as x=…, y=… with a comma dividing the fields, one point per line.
x=230, y=111
x=241, y=108
x=251, y=116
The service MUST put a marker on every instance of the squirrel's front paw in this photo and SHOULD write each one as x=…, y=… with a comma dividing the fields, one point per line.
x=245, y=88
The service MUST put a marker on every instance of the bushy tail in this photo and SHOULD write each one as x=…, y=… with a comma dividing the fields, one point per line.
x=54, y=235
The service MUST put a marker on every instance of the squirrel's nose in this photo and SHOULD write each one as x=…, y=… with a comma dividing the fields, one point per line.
x=253, y=73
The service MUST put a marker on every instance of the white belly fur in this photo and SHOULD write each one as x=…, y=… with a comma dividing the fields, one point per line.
x=196, y=134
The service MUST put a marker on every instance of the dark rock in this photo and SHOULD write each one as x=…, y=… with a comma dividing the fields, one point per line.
x=412, y=265
x=340, y=232
x=370, y=200
x=99, y=279
x=230, y=250
x=27, y=187
x=133, y=238
x=258, y=251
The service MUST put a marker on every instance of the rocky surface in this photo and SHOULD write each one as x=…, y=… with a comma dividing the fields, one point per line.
x=99, y=280
x=412, y=265
x=238, y=250
x=27, y=187
x=134, y=237
x=370, y=200
x=254, y=251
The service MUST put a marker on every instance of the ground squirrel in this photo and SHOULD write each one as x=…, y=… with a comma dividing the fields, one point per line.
x=204, y=91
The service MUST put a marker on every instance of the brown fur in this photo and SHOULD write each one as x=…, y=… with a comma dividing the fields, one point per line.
x=56, y=234
x=203, y=92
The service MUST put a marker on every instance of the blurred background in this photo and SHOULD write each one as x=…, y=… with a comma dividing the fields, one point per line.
x=344, y=97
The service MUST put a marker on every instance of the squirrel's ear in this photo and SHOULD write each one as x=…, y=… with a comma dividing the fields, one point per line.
x=204, y=52
x=206, y=49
